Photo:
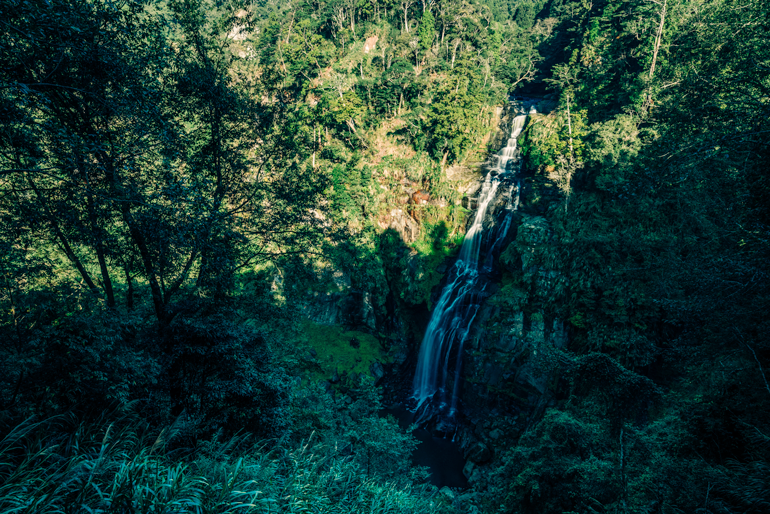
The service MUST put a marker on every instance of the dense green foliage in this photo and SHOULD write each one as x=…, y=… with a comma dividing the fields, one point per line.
x=118, y=464
x=659, y=148
x=183, y=182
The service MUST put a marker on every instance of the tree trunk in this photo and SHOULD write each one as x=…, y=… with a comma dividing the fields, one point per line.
x=139, y=240
x=104, y=270
x=98, y=240
x=63, y=240
x=658, y=36
x=569, y=128
x=130, y=293
x=571, y=163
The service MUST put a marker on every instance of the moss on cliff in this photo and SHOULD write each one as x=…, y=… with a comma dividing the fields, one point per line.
x=342, y=351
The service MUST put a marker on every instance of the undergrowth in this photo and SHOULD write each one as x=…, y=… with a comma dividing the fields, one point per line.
x=118, y=464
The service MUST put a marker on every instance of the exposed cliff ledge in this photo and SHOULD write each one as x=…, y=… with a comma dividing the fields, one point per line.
x=511, y=362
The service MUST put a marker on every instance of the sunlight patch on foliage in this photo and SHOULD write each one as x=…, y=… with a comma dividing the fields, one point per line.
x=342, y=351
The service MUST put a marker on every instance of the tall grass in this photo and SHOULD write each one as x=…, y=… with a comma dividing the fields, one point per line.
x=119, y=465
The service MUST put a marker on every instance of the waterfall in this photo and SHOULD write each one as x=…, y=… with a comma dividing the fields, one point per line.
x=461, y=298
x=510, y=152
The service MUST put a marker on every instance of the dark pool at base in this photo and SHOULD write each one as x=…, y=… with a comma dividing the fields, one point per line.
x=441, y=456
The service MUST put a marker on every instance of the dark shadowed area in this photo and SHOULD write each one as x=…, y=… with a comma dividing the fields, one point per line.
x=442, y=456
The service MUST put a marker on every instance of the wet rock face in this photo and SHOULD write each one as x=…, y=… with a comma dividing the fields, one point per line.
x=367, y=313
x=466, y=180
x=511, y=365
x=323, y=308
x=351, y=308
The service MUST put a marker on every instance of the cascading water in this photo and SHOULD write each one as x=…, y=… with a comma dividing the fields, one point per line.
x=442, y=347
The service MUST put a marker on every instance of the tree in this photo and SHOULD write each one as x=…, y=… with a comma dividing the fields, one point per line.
x=405, y=6
x=118, y=138
x=658, y=34
x=564, y=79
x=453, y=121
x=427, y=31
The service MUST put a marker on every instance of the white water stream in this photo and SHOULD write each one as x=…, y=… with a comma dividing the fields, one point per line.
x=442, y=347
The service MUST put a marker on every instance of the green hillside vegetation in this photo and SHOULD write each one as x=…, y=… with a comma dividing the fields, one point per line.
x=337, y=349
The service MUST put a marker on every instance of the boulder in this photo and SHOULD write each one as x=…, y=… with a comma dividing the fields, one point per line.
x=378, y=372
x=341, y=279
x=404, y=224
x=479, y=453
x=468, y=468
x=367, y=312
x=420, y=197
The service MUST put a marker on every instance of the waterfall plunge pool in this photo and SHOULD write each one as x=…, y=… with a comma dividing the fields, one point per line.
x=441, y=456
